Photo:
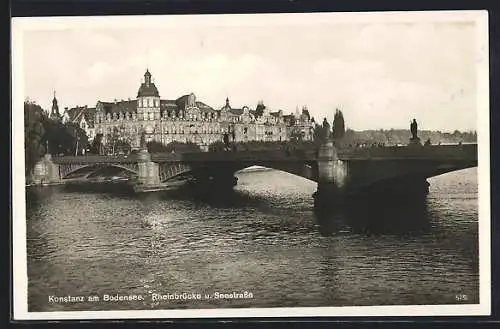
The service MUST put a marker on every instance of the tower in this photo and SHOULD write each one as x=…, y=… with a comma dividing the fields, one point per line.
x=54, y=113
x=148, y=99
x=147, y=78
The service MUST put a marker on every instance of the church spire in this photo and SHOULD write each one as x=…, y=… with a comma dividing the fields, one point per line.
x=54, y=113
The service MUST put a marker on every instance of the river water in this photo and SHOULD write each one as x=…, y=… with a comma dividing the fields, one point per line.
x=264, y=238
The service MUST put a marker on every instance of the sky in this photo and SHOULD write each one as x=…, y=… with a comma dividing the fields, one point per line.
x=381, y=73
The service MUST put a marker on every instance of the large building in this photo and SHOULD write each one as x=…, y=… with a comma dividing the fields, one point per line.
x=185, y=119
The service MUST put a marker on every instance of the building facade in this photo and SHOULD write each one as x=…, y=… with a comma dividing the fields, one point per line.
x=184, y=119
x=82, y=116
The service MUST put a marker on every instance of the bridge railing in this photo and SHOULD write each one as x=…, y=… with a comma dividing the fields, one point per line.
x=234, y=156
x=466, y=151
x=94, y=159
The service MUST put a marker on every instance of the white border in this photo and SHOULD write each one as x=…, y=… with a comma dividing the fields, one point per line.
x=20, y=279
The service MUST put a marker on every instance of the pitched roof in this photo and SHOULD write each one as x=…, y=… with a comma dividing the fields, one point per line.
x=236, y=111
x=204, y=107
x=73, y=112
x=121, y=106
x=168, y=103
x=89, y=114
x=75, y=115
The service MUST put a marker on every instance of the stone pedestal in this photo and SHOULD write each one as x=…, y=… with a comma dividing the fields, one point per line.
x=415, y=142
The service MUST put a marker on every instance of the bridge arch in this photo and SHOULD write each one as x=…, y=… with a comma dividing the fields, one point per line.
x=401, y=176
x=307, y=170
x=67, y=170
x=301, y=169
x=168, y=171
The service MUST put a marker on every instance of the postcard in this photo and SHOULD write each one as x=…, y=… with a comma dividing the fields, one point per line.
x=251, y=165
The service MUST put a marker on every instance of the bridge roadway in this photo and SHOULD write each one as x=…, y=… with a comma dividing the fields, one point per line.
x=430, y=153
x=343, y=170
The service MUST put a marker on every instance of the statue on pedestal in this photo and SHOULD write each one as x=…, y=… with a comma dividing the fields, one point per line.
x=414, y=129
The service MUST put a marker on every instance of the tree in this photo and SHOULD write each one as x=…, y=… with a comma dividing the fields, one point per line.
x=78, y=137
x=34, y=132
x=259, y=110
x=217, y=146
x=156, y=147
x=296, y=135
x=318, y=134
x=179, y=147
x=96, y=147
x=117, y=143
x=63, y=138
x=338, y=125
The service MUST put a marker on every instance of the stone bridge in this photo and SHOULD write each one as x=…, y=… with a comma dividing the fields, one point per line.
x=339, y=171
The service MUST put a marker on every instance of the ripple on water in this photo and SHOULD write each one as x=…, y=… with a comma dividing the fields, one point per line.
x=263, y=238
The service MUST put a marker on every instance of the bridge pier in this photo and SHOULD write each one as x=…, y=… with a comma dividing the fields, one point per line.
x=148, y=172
x=46, y=172
x=332, y=175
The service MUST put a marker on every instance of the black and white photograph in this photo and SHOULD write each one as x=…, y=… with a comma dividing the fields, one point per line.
x=251, y=165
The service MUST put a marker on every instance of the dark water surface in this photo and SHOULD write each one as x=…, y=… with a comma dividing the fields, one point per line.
x=264, y=239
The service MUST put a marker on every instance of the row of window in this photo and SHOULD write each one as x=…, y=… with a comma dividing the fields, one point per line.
x=171, y=130
x=190, y=116
x=148, y=102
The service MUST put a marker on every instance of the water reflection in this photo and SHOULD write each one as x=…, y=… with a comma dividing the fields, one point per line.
x=374, y=216
x=262, y=236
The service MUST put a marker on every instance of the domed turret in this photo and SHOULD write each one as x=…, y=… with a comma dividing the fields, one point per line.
x=148, y=88
x=226, y=107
